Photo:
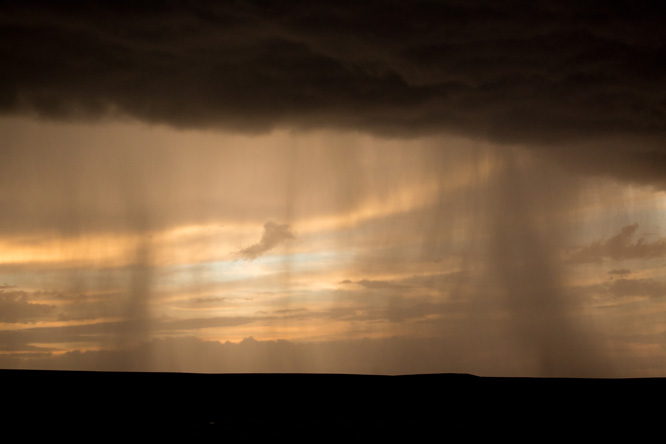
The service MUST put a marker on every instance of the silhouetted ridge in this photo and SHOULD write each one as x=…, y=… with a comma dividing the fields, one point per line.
x=337, y=402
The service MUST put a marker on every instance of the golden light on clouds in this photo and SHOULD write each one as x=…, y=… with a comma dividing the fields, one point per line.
x=335, y=238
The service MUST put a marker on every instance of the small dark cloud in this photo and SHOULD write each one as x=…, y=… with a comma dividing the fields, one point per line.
x=274, y=234
x=621, y=246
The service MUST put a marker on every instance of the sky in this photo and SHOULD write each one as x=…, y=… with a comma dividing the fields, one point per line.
x=334, y=187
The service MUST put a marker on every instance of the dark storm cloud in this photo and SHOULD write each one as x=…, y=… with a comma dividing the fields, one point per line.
x=519, y=72
x=274, y=234
x=623, y=245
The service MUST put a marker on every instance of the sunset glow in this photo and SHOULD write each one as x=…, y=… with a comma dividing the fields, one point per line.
x=369, y=203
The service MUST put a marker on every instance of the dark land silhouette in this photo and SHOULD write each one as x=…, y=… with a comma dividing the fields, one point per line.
x=325, y=406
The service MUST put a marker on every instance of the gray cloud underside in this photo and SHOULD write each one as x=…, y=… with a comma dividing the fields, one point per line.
x=513, y=72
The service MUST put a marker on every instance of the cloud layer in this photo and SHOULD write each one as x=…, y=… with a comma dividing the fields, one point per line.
x=532, y=73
